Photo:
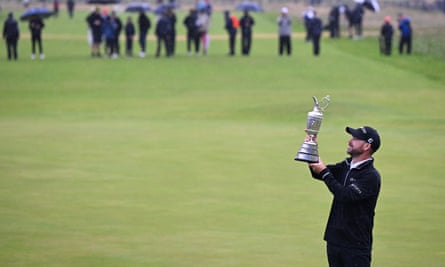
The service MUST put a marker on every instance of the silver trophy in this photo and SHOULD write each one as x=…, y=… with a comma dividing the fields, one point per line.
x=308, y=151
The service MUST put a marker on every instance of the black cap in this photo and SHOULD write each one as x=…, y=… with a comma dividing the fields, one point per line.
x=367, y=134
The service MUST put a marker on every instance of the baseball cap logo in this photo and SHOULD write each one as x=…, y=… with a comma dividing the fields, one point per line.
x=366, y=134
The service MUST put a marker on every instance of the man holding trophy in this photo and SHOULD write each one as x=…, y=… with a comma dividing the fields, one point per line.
x=355, y=185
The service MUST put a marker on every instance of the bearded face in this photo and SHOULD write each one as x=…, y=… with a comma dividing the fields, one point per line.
x=356, y=147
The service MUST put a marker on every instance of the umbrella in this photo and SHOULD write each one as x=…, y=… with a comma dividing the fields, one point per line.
x=103, y=2
x=137, y=7
x=372, y=5
x=164, y=7
x=39, y=12
x=249, y=6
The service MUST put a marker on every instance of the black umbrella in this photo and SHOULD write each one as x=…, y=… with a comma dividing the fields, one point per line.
x=249, y=6
x=38, y=12
x=161, y=9
x=137, y=7
x=103, y=2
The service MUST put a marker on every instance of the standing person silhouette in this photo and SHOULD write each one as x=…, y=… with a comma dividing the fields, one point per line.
x=246, y=23
x=11, y=34
x=406, y=33
x=386, y=32
x=36, y=26
x=95, y=21
x=316, y=29
x=284, y=32
x=144, y=25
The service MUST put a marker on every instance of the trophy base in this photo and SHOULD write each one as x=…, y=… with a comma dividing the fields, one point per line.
x=307, y=158
x=307, y=153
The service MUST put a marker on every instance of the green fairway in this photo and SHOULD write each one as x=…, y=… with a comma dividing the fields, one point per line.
x=188, y=161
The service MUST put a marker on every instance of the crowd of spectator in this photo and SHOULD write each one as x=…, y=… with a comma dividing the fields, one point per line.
x=105, y=29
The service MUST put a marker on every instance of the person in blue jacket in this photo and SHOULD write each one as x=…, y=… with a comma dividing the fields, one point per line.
x=405, y=34
x=355, y=185
x=109, y=33
x=163, y=34
x=231, y=31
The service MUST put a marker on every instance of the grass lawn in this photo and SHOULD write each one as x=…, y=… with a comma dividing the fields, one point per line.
x=188, y=161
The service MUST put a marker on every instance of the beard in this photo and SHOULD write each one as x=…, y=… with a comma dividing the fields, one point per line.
x=354, y=152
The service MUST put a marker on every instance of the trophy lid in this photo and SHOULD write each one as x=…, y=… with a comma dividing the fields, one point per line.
x=322, y=105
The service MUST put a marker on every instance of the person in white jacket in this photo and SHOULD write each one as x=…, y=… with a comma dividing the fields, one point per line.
x=203, y=23
x=284, y=32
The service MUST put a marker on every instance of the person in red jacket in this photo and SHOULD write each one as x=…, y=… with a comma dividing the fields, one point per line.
x=355, y=185
x=386, y=33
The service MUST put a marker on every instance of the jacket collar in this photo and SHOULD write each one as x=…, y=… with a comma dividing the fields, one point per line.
x=360, y=164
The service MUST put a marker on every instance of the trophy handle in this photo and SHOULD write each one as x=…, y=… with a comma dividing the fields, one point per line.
x=316, y=104
x=324, y=103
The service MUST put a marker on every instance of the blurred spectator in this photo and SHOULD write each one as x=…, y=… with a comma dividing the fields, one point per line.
x=11, y=34
x=117, y=24
x=334, y=22
x=284, y=31
x=208, y=7
x=247, y=22
x=316, y=29
x=129, y=36
x=144, y=25
x=231, y=25
x=190, y=23
x=163, y=34
x=357, y=20
x=95, y=22
x=70, y=4
x=36, y=26
x=405, y=34
x=203, y=28
x=172, y=34
x=109, y=34
x=386, y=33
x=56, y=8
x=350, y=19
x=307, y=16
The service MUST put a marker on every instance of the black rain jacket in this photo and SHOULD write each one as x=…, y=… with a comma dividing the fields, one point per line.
x=355, y=191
